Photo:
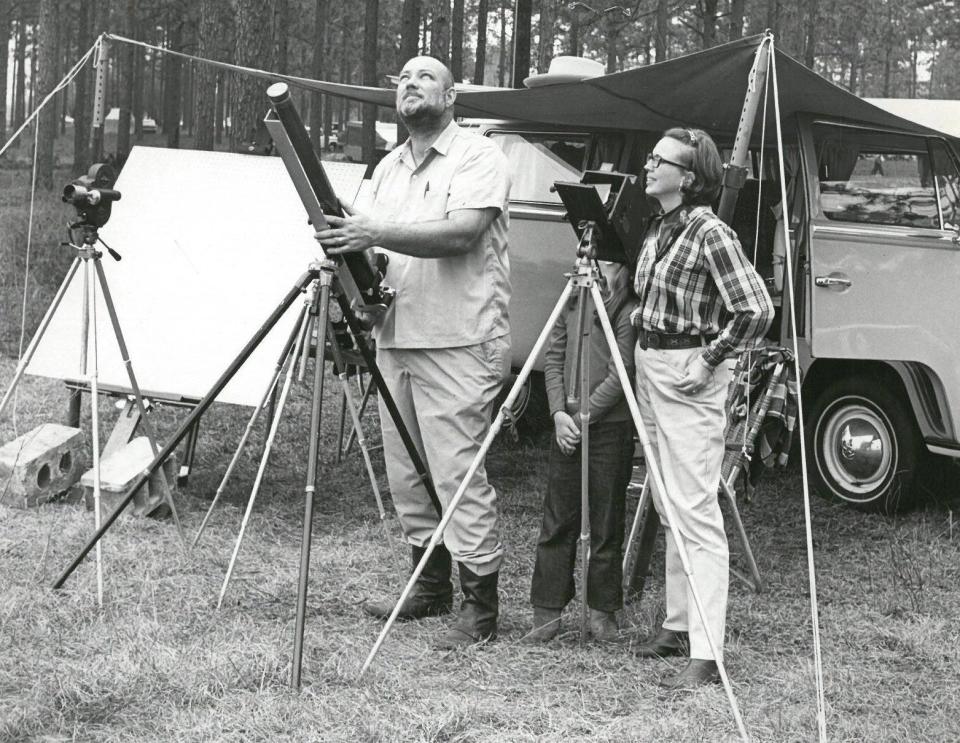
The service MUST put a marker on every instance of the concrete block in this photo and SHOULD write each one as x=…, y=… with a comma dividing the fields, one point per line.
x=37, y=466
x=121, y=469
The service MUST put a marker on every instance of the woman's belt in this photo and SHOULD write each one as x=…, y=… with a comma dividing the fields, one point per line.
x=655, y=339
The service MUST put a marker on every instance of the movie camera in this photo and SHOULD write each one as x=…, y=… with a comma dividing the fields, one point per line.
x=92, y=195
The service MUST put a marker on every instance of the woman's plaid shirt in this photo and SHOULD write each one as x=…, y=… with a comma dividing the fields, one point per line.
x=702, y=284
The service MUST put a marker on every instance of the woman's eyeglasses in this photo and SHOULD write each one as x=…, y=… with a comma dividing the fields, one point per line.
x=655, y=160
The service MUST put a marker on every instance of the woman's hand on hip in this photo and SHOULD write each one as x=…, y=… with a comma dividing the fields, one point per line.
x=698, y=375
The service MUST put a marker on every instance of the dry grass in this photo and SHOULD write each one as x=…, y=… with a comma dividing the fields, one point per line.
x=159, y=662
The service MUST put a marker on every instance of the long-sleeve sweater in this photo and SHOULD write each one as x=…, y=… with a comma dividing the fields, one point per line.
x=607, y=402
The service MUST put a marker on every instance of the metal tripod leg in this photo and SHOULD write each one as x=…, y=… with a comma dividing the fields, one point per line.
x=35, y=341
x=364, y=399
x=581, y=379
x=319, y=312
x=753, y=581
x=348, y=406
x=90, y=294
x=138, y=397
x=278, y=371
x=274, y=425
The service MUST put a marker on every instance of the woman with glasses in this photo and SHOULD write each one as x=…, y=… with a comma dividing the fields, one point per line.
x=699, y=302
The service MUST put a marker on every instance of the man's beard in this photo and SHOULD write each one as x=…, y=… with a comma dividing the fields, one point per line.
x=423, y=117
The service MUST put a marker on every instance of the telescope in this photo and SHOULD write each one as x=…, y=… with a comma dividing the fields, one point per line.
x=362, y=281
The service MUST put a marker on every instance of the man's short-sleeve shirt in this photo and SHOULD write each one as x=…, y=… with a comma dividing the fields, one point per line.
x=458, y=300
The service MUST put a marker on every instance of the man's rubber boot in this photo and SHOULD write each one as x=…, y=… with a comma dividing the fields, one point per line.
x=479, y=610
x=431, y=595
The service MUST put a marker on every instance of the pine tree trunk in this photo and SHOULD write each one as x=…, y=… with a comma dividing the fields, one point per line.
x=221, y=106
x=548, y=18
x=4, y=65
x=709, y=23
x=479, y=67
x=206, y=88
x=440, y=31
x=522, y=18
x=282, y=35
x=47, y=62
x=136, y=105
x=810, y=37
x=20, y=73
x=82, y=108
x=125, y=75
x=320, y=24
x=661, y=43
x=171, y=86
x=502, y=61
x=736, y=19
x=370, y=30
x=253, y=49
x=456, y=41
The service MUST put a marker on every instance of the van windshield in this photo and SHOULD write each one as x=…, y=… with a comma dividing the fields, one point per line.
x=538, y=160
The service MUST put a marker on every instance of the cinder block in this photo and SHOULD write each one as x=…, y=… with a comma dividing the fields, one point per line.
x=37, y=466
x=120, y=470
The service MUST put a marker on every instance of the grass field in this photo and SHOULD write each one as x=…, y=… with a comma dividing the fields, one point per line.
x=159, y=662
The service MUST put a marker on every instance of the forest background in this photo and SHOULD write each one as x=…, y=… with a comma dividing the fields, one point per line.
x=878, y=48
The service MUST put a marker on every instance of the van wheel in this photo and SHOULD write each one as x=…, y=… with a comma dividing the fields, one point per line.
x=530, y=409
x=865, y=446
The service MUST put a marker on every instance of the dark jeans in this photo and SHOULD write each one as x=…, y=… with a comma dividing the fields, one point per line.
x=611, y=454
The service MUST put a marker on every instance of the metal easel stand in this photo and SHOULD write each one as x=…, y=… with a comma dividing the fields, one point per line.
x=584, y=271
x=89, y=256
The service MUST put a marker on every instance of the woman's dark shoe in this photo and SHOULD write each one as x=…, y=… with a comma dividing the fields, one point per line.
x=666, y=643
x=695, y=674
x=546, y=625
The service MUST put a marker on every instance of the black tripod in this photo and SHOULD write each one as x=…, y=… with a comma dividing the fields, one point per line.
x=323, y=277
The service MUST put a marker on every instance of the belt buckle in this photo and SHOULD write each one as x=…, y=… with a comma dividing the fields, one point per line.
x=653, y=339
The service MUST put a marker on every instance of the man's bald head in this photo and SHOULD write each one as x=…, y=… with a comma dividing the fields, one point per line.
x=425, y=93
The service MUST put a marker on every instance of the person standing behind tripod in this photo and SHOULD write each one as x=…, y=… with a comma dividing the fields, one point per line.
x=440, y=203
x=610, y=463
x=700, y=301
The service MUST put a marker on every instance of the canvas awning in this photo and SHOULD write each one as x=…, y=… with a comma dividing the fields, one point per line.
x=704, y=90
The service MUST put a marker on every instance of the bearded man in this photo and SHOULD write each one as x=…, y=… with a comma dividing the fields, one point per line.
x=440, y=213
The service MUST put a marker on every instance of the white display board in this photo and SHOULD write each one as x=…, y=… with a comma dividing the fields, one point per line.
x=211, y=242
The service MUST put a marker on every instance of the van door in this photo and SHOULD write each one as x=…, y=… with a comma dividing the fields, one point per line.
x=885, y=265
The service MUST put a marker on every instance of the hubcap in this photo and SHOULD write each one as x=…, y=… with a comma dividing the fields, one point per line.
x=858, y=449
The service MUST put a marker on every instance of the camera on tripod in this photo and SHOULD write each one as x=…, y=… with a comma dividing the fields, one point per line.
x=92, y=195
x=609, y=227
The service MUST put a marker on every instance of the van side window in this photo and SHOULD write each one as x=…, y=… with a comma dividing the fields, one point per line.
x=947, y=181
x=537, y=160
x=875, y=177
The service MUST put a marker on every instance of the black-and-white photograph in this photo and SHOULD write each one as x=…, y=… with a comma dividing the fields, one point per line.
x=479, y=371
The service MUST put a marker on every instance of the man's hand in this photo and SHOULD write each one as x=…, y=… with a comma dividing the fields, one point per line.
x=350, y=234
x=568, y=433
x=698, y=375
